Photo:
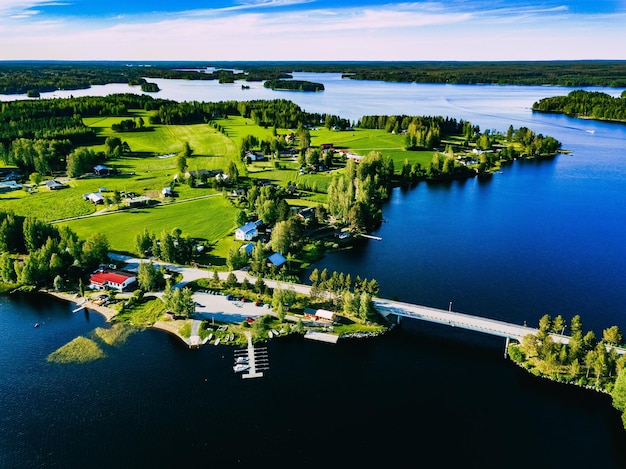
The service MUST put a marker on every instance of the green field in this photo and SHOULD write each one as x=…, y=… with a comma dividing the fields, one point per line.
x=152, y=165
x=210, y=219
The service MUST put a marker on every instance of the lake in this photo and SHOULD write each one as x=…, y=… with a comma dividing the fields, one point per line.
x=541, y=237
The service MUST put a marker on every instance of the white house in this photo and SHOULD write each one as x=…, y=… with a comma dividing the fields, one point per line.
x=247, y=232
x=96, y=198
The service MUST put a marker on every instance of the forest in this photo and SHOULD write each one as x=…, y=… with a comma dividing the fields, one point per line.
x=33, y=78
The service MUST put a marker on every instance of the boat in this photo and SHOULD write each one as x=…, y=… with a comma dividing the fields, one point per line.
x=240, y=360
x=217, y=341
x=275, y=332
x=240, y=367
x=36, y=324
x=270, y=334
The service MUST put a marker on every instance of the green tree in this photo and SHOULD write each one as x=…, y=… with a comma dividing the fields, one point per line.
x=619, y=392
x=149, y=277
x=7, y=269
x=95, y=251
x=558, y=325
x=143, y=243
x=58, y=283
x=612, y=335
x=181, y=164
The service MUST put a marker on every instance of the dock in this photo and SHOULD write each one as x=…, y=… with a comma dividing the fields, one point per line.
x=377, y=238
x=321, y=336
x=257, y=359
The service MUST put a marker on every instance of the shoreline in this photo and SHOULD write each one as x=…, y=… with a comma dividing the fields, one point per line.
x=108, y=313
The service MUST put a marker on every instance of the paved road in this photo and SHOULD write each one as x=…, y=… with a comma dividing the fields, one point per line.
x=214, y=306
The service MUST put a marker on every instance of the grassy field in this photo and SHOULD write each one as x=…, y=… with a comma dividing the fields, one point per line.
x=209, y=219
x=152, y=165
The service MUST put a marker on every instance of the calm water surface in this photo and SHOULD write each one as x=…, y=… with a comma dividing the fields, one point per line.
x=542, y=237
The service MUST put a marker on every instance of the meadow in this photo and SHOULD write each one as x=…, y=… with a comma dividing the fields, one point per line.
x=208, y=219
x=201, y=212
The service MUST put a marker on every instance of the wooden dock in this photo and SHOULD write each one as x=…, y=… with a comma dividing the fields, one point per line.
x=257, y=359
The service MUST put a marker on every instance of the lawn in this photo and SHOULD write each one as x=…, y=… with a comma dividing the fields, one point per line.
x=209, y=219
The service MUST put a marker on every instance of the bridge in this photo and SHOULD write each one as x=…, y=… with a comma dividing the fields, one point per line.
x=465, y=321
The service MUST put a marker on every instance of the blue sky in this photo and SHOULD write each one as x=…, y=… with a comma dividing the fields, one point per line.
x=312, y=30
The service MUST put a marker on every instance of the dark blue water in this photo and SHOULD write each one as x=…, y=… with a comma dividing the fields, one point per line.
x=542, y=237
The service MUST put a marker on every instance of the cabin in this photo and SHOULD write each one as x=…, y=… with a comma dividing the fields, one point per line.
x=111, y=279
x=101, y=170
x=95, y=197
x=255, y=155
x=8, y=186
x=248, y=248
x=54, y=185
x=277, y=259
x=306, y=213
x=319, y=315
x=247, y=232
x=137, y=201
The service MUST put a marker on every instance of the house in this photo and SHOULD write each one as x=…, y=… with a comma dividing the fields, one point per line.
x=352, y=156
x=101, y=170
x=112, y=279
x=166, y=192
x=277, y=259
x=248, y=248
x=9, y=186
x=255, y=155
x=54, y=185
x=95, y=197
x=319, y=314
x=326, y=146
x=238, y=192
x=136, y=201
x=306, y=213
x=247, y=232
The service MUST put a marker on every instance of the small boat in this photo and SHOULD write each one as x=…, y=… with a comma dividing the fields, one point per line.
x=217, y=341
x=270, y=334
x=241, y=367
x=275, y=332
x=232, y=336
x=240, y=360
x=36, y=324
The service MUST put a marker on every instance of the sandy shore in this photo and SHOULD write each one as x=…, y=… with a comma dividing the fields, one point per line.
x=108, y=313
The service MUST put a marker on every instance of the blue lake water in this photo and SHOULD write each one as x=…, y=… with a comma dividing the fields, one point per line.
x=542, y=237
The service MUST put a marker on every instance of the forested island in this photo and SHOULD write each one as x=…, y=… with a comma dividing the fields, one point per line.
x=294, y=85
x=586, y=105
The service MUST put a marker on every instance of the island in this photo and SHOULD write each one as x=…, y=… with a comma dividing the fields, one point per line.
x=293, y=85
x=585, y=105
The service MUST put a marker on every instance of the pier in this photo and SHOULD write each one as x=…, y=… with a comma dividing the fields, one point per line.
x=254, y=357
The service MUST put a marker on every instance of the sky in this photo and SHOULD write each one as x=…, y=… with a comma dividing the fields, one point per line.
x=312, y=30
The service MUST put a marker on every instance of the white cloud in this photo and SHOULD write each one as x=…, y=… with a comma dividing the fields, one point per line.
x=406, y=31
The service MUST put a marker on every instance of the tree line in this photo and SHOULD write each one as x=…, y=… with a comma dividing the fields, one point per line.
x=34, y=253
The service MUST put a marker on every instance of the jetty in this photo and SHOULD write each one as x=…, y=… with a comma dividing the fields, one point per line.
x=255, y=358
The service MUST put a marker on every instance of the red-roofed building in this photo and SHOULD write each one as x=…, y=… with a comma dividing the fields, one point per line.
x=112, y=279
